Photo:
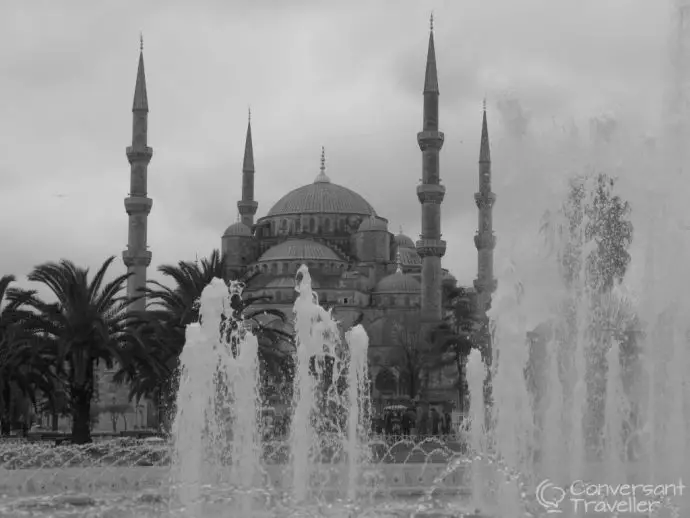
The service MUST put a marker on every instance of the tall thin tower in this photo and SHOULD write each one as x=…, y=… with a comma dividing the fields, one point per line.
x=431, y=193
x=677, y=109
x=247, y=205
x=138, y=205
x=484, y=240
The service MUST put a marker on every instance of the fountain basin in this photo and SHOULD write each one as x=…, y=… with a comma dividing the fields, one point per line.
x=378, y=479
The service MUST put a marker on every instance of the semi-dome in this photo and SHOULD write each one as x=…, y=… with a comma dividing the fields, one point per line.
x=322, y=197
x=403, y=241
x=299, y=249
x=373, y=223
x=237, y=229
x=398, y=283
x=409, y=257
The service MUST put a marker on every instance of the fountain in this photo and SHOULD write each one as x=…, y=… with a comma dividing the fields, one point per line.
x=599, y=427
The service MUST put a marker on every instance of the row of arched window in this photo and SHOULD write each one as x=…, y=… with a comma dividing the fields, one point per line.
x=284, y=296
x=396, y=300
x=304, y=224
x=291, y=267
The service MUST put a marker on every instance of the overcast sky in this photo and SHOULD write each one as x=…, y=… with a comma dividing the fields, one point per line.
x=345, y=75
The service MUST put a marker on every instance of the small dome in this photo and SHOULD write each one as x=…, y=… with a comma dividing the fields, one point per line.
x=409, y=257
x=398, y=283
x=403, y=241
x=372, y=223
x=448, y=277
x=238, y=229
x=299, y=249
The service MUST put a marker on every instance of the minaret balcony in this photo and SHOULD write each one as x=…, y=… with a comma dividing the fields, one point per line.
x=430, y=140
x=431, y=247
x=136, y=257
x=138, y=205
x=247, y=207
x=431, y=193
x=485, y=240
x=485, y=285
x=484, y=200
x=139, y=154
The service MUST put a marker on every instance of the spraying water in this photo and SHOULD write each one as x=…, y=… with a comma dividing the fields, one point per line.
x=218, y=403
x=357, y=422
x=476, y=373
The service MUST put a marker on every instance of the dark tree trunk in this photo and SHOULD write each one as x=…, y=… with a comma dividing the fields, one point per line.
x=82, y=394
x=6, y=411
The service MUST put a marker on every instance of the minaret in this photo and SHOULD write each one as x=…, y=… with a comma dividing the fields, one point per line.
x=430, y=193
x=247, y=206
x=484, y=240
x=138, y=205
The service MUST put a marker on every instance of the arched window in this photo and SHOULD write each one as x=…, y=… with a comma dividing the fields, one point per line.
x=312, y=225
x=298, y=226
x=327, y=225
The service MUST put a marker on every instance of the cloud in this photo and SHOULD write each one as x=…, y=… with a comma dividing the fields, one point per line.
x=345, y=76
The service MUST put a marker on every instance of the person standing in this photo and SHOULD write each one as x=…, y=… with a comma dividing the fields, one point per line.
x=435, y=421
x=447, y=423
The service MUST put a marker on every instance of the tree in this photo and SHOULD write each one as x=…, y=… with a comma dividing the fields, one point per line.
x=594, y=231
x=86, y=325
x=160, y=331
x=591, y=234
x=414, y=353
x=456, y=336
x=23, y=369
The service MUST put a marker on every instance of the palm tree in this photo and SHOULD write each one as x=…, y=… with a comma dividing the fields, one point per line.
x=23, y=369
x=161, y=330
x=87, y=324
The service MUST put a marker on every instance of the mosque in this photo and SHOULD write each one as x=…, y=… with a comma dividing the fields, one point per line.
x=358, y=266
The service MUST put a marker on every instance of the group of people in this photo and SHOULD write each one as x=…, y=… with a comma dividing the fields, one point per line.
x=415, y=421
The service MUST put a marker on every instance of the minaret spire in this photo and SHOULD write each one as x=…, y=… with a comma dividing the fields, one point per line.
x=431, y=75
x=484, y=240
x=398, y=262
x=431, y=193
x=138, y=205
x=247, y=206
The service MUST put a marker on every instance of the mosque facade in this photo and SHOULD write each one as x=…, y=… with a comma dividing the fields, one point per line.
x=359, y=268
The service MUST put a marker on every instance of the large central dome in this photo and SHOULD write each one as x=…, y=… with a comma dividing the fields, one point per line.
x=322, y=196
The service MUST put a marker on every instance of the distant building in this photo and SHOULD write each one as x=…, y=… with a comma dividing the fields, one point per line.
x=358, y=266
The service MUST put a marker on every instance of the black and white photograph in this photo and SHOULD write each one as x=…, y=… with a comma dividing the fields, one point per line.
x=345, y=259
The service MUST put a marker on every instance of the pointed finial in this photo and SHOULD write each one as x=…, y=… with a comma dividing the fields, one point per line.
x=249, y=114
x=398, y=262
x=196, y=259
x=401, y=230
x=239, y=216
x=484, y=104
x=431, y=22
x=322, y=177
x=141, y=41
